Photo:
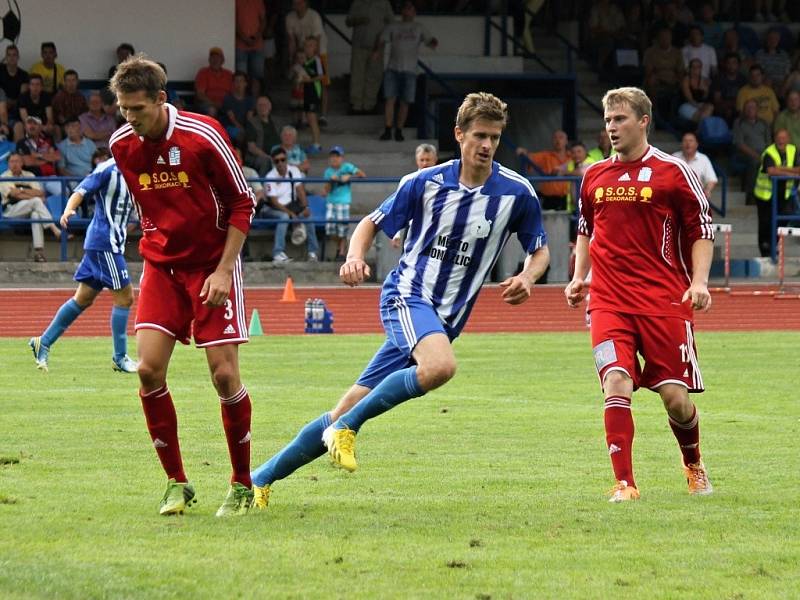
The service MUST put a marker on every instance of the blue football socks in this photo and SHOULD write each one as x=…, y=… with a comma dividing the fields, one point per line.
x=306, y=447
x=395, y=389
x=68, y=312
x=119, y=330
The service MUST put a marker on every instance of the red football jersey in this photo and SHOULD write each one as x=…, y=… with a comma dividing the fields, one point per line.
x=188, y=189
x=642, y=218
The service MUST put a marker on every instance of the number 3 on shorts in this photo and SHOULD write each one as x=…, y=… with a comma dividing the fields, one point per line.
x=228, y=309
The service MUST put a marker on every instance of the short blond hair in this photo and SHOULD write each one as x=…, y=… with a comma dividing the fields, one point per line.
x=632, y=97
x=138, y=74
x=481, y=105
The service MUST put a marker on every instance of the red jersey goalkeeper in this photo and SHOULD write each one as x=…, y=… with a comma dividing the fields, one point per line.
x=645, y=232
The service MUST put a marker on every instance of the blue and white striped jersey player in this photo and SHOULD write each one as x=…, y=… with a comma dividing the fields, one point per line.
x=459, y=215
x=103, y=264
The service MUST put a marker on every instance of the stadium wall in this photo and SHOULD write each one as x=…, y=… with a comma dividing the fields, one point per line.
x=178, y=32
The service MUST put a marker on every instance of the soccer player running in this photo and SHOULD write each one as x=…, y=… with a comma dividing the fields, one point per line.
x=195, y=209
x=459, y=215
x=645, y=232
x=102, y=266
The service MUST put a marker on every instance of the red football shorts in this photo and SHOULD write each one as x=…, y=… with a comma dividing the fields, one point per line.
x=169, y=301
x=666, y=345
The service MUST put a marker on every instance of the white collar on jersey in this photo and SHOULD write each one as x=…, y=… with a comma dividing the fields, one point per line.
x=650, y=150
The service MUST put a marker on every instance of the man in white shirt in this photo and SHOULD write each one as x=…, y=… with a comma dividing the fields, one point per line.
x=698, y=162
x=287, y=201
x=695, y=48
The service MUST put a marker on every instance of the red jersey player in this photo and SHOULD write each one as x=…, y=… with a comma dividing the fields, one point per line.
x=195, y=209
x=645, y=232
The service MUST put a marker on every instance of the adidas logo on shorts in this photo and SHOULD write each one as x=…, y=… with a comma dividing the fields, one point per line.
x=229, y=329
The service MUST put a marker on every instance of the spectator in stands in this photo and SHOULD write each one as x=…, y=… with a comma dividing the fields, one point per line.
x=712, y=29
x=770, y=10
x=696, y=92
x=124, y=51
x=683, y=13
x=302, y=23
x=400, y=79
x=697, y=48
x=750, y=137
x=663, y=71
x=251, y=22
x=96, y=123
x=35, y=103
x=367, y=18
x=212, y=83
x=603, y=149
x=237, y=107
x=779, y=158
x=25, y=200
x=294, y=153
x=312, y=92
x=68, y=103
x=425, y=156
x=13, y=82
x=726, y=87
x=39, y=154
x=731, y=45
x=76, y=151
x=339, y=197
x=552, y=196
x=774, y=61
x=665, y=15
x=260, y=136
x=606, y=27
x=698, y=162
x=789, y=118
x=52, y=73
x=287, y=202
x=763, y=94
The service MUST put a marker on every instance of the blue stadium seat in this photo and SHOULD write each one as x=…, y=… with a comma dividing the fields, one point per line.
x=56, y=204
x=714, y=131
x=748, y=38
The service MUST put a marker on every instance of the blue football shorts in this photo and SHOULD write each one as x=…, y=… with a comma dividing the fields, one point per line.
x=406, y=321
x=101, y=269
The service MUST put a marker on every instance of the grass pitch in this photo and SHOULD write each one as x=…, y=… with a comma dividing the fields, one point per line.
x=492, y=487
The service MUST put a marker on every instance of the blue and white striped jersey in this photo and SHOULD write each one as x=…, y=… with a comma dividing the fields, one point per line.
x=113, y=205
x=455, y=234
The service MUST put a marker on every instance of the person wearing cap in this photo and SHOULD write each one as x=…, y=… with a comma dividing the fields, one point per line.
x=339, y=197
x=39, y=155
x=35, y=103
x=212, y=83
x=286, y=200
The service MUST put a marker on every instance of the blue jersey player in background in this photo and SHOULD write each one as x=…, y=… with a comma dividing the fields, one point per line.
x=103, y=264
x=459, y=216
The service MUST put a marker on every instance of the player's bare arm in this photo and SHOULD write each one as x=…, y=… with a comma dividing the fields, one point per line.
x=217, y=286
x=73, y=203
x=577, y=289
x=517, y=289
x=355, y=270
x=697, y=293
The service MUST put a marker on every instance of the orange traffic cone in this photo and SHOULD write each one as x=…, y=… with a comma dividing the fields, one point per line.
x=288, y=291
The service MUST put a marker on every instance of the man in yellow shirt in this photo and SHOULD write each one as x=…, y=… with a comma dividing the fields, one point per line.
x=52, y=73
x=757, y=90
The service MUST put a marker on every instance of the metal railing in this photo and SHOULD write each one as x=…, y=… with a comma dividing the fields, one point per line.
x=776, y=218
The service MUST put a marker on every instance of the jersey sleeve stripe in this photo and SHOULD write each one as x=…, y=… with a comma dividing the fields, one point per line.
x=376, y=216
x=219, y=144
x=694, y=183
x=120, y=133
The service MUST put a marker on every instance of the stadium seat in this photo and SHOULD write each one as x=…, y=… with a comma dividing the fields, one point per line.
x=714, y=131
x=56, y=204
x=749, y=38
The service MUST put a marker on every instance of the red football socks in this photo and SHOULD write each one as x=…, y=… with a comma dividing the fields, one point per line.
x=688, y=436
x=236, y=412
x=162, y=423
x=619, y=437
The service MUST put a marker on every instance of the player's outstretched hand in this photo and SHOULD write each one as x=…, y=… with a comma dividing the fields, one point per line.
x=516, y=290
x=354, y=271
x=65, y=217
x=699, y=296
x=216, y=288
x=575, y=292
